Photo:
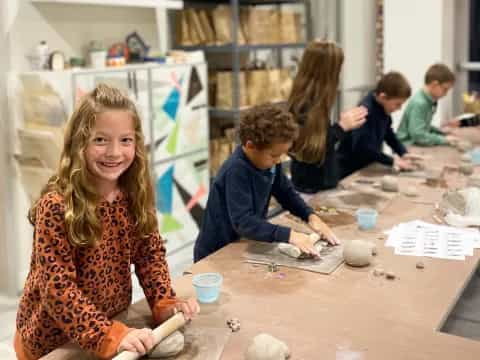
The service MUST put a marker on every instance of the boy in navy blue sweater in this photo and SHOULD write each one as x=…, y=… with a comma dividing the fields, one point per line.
x=239, y=197
x=363, y=146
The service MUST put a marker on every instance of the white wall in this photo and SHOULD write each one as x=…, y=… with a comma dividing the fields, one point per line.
x=357, y=36
x=416, y=35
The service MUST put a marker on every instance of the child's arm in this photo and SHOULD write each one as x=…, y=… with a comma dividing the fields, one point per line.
x=395, y=144
x=364, y=147
x=286, y=196
x=241, y=210
x=74, y=313
x=151, y=269
x=420, y=130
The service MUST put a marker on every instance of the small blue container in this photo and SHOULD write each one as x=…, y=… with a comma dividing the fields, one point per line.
x=366, y=218
x=475, y=156
x=207, y=287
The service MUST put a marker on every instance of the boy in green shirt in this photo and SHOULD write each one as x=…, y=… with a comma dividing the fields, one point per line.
x=415, y=126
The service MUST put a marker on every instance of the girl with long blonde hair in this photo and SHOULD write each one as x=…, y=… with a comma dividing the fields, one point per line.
x=94, y=218
x=313, y=94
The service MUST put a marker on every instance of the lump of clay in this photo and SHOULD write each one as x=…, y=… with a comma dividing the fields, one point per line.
x=464, y=145
x=289, y=250
x=295, y=252
x=389, y=183
x=466, y=169
x=357, y=253
x=170, y=346
x=411, y=191
x=466, y=158
x=266, y=347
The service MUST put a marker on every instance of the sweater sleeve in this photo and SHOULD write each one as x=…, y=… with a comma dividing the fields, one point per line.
x=75, y=314
x=366, y=148
x=420, y=130
x=288, y=198
x=395, y=144
x=151, y=269
x=240, y=207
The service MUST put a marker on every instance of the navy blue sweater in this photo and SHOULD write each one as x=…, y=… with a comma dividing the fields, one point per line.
x=238, y=203
x=363, y=146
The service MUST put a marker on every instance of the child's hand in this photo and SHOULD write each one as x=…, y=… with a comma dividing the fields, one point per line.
x=353, y=118
x=320, y=227
x=190, y=308
x=402, y=164
x=139, y=341
x=303, y=242
x=453, y=123
x=452, y=140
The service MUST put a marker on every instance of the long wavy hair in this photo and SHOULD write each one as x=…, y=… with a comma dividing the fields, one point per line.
x=313, y=94
x=74, y=182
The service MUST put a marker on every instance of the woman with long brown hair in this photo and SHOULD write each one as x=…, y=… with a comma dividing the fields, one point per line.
x=313, y=94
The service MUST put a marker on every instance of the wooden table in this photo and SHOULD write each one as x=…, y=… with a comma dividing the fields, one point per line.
x=350, y=314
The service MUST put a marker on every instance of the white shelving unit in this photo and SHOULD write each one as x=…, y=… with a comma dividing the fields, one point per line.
x=166, y=4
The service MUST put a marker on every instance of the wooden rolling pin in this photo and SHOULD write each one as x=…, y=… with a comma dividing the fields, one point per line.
x=159, y=333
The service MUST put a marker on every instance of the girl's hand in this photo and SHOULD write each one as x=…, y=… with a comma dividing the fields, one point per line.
x=138, y=340
x=353, y=118
x=190, y=308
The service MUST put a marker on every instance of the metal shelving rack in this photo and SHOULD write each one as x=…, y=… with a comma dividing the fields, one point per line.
x=235, y=49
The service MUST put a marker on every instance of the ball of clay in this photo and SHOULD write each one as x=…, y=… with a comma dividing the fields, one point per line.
x=411, y=191
x=464, y=145
x=357, y=253
x=378, y=272
x=466, y=158
x=389, y=183
x=266, y=347
x=170, y=346
x=420, y=265
x=466, y=169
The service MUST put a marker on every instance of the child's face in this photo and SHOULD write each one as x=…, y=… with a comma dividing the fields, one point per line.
x=111, y=148
x=265, y=158
x=390, y=104
x=439, y=90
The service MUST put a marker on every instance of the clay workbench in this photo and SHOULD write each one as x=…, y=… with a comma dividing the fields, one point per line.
x=349, y=314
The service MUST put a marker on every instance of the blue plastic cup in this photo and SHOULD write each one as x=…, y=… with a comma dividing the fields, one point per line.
x=207, y=286
x=475, y=156
x=366, y=218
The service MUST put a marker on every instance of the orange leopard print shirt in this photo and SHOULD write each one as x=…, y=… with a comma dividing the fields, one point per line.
x=71, y=293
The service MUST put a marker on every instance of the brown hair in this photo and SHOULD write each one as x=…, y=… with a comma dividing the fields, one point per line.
x=394, y=85
x=313, y=94
x=73, y=181
x=267, y=124
x=440, y=73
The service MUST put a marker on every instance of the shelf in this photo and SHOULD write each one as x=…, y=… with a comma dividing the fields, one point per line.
x=233, y=113
x=241, y=2
x=168, y=4
x=243, y=48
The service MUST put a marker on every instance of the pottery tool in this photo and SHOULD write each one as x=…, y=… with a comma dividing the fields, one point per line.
x=159, y=333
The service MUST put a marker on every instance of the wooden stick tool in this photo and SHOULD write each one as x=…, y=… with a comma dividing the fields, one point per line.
x=159, y=333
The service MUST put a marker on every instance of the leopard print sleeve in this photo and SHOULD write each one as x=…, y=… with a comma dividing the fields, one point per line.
x=71, y=310
x=151, y=269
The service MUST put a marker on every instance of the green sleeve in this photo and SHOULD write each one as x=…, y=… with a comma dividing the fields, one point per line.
x=419, y=128
x=436, y=130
